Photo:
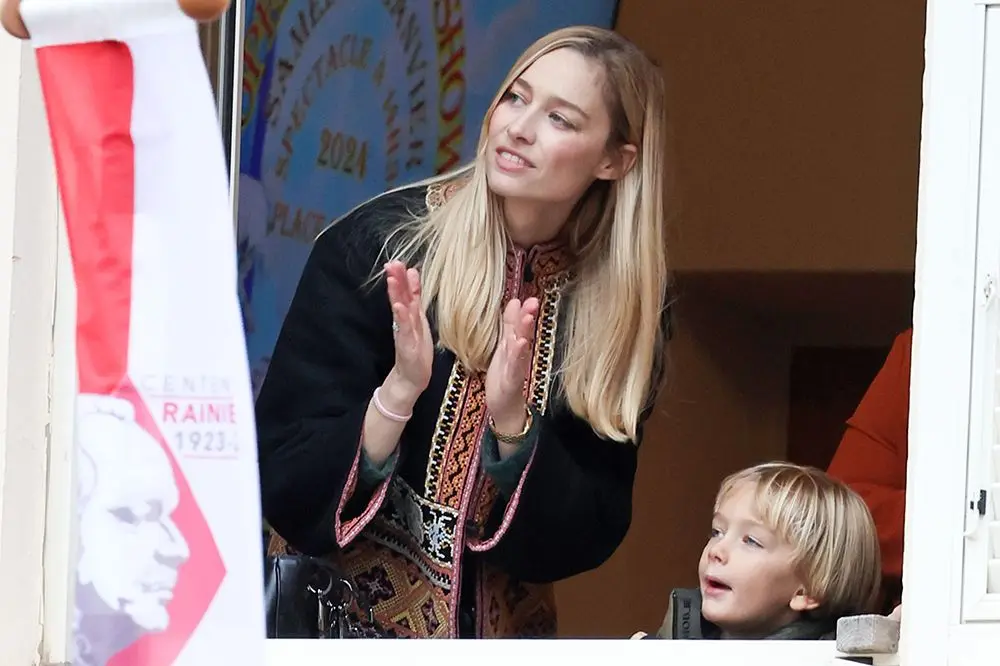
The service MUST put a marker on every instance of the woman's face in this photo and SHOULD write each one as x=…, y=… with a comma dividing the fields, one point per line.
x=548, y=136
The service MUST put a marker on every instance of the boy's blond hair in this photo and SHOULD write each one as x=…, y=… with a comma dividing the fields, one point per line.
x=829, y=528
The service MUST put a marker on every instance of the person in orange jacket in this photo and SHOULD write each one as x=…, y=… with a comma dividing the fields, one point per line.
x=871, y=457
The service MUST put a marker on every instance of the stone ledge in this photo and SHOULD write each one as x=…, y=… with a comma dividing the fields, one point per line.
x=867, y=634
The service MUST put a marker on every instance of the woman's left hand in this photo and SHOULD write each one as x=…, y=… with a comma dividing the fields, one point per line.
x=509, y=367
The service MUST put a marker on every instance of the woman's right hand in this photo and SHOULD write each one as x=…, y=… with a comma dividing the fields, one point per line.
x=414, y=345
x=10, y=18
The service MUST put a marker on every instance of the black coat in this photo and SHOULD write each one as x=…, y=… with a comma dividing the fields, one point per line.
x=453, y=541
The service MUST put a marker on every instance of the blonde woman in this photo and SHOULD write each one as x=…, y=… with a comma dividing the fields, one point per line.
x=457, y=426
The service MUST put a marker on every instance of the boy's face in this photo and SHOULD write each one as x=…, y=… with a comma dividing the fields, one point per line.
x=748, y=583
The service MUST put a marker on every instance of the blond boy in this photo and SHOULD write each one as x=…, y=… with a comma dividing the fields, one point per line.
x=791, y=551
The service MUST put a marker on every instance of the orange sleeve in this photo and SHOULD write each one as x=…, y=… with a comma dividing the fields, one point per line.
x=871, y=457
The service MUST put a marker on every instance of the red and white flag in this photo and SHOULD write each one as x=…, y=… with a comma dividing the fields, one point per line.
x=169, y=563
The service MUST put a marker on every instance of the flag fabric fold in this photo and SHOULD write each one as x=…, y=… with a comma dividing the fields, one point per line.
x=168, y=568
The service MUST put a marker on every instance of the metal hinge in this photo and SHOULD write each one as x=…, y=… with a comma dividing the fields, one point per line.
x=980, y=505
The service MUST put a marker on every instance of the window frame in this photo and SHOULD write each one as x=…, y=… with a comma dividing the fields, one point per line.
x=977, y=604
x=942, y=393
x=941, y=387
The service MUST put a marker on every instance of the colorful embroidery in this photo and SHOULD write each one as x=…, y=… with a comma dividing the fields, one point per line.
x=545, y=346
x=345, y=532
x=405, y=602
x=487, y=495
x=444, y=431
x=461, y=449
x=439, y=193
x=407, y=559
x=511, y=609
x=422, y=531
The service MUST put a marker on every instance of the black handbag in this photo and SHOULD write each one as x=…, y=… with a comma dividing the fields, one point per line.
x=308, y=597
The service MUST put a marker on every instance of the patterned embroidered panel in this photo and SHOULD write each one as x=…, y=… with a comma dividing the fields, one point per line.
x=444, y=430
x=545, y=345
x=278, y=546
x=510, y=609
x=406, y=603
x=538, y=385
x=486, y=497
x=463, y=414
x=419, y=529
x=439, y=193
x=457, y=456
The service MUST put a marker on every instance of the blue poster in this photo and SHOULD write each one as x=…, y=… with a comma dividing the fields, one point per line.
x=343, y=99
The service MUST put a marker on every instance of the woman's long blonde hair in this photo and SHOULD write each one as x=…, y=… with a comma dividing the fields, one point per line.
x=613, y=335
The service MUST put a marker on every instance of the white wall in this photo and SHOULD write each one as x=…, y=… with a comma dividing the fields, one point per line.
x=28, y=241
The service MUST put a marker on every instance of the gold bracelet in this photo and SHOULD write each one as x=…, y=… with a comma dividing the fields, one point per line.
x=512, y=439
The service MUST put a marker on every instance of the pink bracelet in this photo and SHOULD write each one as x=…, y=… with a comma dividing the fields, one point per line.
x=392, y=416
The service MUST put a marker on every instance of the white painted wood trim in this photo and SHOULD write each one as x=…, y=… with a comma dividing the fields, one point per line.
x=977, y=603
x=28, y=224
x=60, y=528
x=941, y=395
x=504, y=653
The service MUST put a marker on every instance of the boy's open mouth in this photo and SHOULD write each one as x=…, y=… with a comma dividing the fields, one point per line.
x=716, y=585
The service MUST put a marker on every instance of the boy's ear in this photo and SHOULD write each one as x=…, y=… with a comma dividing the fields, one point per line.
x=802, y=602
